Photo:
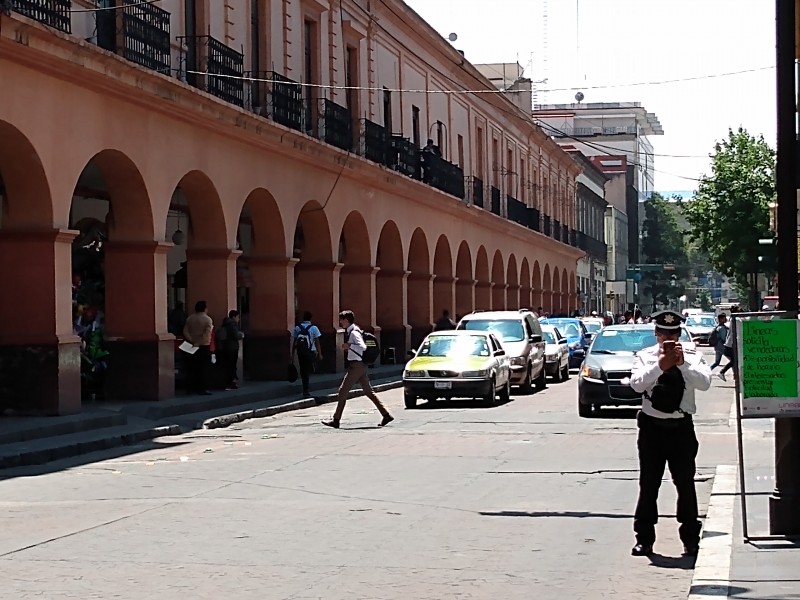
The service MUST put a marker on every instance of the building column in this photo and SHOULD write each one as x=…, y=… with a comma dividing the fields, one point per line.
x=512, y=297
x=465, y=297
x=499, y=296
x=483, y=295
x=391, y=315
x=267, y=345
x=317, y=286
x=444, y=295
x=420, y=313
x=40, y=362
x=141, y=361
x=211, y=276
x=536, y=299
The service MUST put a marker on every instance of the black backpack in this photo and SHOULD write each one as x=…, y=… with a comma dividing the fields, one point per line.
x=714, y=337
x=373, y=350
x=303, y=342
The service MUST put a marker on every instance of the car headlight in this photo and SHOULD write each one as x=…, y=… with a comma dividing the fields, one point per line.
x=591, y=372
x=519, y=360
x=481, y=373
x=412, y=374
x=551, y=354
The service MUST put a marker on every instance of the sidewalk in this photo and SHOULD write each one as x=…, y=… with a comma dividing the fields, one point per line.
x=26, y=441
x=726, y=565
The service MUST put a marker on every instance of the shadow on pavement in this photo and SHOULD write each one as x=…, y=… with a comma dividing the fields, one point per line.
x=672, y=562
x=723, y=591
x=461, y=404
x=615, y=413
x=545, y=514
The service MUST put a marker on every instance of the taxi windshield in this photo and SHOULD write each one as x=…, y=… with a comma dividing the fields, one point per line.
x=507, y=330
x=454, y=346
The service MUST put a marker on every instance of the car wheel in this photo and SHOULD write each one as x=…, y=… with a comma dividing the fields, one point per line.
x=490, y=396
x=565, y=372
x=527, y=385
x=505, y=393
x=410, y=400
x=541, y=380
x=584, y=410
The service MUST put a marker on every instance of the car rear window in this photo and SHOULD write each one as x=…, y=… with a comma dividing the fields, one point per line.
x=506, y=329
x=453, y=346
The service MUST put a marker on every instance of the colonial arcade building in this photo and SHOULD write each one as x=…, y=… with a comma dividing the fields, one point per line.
x=259, y=154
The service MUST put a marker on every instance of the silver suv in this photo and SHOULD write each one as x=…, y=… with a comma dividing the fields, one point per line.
x=521, y=336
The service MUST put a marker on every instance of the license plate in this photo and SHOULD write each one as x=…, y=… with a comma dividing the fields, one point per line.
x=442, y=385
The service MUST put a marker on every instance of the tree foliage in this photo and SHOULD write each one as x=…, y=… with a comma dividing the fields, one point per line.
x=663, y=243
x=730, y=210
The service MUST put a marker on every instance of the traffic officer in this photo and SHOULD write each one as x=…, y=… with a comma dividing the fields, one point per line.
x=667, y=375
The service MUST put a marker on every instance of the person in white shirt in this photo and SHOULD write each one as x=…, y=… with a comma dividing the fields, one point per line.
x=667, y=376
x=356, y=371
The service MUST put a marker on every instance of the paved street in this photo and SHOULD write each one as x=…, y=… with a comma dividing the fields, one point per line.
x=524, y=500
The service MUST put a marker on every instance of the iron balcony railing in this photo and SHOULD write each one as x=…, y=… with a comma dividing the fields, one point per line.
x=443, y=175
x=374, y=142
x=546, y=225
x=54, y=13
x=517, y=211
x=210, y=65
x=495, y=193
x=272, y=95
x=556, y=229
x=595, y=248
x=139, y=32
x=335, y=125
x=404, y=157
x=477, y=191
x=573, y=238
x=565, y=234
x=534, y=219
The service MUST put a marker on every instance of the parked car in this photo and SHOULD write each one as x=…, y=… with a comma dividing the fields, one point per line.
x=604, y=378
x=593, y=325
x=577, y=339
x=521, y=336
x=458, y=364
x=556, y=353
x=700, y=327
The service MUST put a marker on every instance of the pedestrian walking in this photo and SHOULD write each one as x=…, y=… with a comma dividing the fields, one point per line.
x=717, y=339
x=727, y=351
x=445, y=322
x=197, y=332
x=667, y=376
x=228, y=338
x=355, y=371
x=306, y=346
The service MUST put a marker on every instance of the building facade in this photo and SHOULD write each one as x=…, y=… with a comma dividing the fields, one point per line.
x=260, y=154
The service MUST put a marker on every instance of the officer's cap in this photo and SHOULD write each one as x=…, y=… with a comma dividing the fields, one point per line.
x=668, y=320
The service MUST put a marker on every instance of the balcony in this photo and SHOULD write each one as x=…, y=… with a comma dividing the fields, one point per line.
x=443, y=175
x=546, y=225
x=210, y=65
x=556, y=229
x=477, y=191
x=404, y=157
x=517, y=211
x=596, y=249
x=565, y=234
x=495, y=200
x=573, y=238
x=138, y=32
x=53, y=13
x=335, y=125
x=534, y=219
x=374, y=142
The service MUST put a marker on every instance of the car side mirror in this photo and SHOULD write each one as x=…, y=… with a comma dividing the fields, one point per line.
x=589, y=336
x=562, y=341
x=499, y=352
x=536, y=338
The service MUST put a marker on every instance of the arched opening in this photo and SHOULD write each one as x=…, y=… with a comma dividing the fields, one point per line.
x=566, y=299
x=390, y=293
x=547, y=291
x=119, y=291
x=443, y=282
x=557, y=306
x=525, y=285
x=39, y=354
x=264, y=276
x=420, y=288
x=498, y=282
x=483, y=285
x=357, y=277
x=536, y=289
x=465, y=284
x=512, y=280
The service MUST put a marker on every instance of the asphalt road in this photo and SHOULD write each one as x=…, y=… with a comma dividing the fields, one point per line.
x=524, y=500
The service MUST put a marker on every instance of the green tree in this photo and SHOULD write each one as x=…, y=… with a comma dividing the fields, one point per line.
x=663, y=243
x=730, y=210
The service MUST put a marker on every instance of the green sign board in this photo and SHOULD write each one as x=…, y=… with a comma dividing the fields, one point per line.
x=768, y=367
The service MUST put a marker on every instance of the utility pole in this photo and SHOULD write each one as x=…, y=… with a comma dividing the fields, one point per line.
x=784, y=516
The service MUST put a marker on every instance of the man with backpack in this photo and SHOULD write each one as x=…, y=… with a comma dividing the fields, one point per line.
x=717, y=339
x=305, y=344
x=358, y=356
x=227, y=348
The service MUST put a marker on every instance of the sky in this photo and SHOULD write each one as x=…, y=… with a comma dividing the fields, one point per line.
x=601, y=46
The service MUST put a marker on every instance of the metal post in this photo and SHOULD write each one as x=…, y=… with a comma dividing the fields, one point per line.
x=784, y=516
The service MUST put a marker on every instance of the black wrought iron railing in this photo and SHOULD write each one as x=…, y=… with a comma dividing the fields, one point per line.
x=565, y=234
x=404, y=157
x=335, y=124
x=285, y=100
x=495, y=193
x=534, y=219
x=374, y=142
x=596, y=249
x=556, y=229
x=517, y=211
x=583, y=241
x=477, y=191
x=441, y=174
x=53, y=13
x=145, y=31
x=573, y=238
x=546, y=225
x=219, y=69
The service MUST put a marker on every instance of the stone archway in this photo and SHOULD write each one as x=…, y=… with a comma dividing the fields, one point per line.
x=547, y=290
x=465, y=283
x=498, y=282
x=483, y=285
x=512, y=283
x=39, y=354
x=357, y=276
x=391, y=308
x=557, y=307
x=565, y=297
x=536, y=284
x=525, y=285
x=420, y=288
x=443, y=282
x=573, y=298
x=264, y=278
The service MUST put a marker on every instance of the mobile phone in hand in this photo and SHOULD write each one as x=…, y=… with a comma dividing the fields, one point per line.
x=669, y=345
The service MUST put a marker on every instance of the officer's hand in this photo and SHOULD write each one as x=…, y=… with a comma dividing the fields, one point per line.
x=678, y=355
x=666, y=361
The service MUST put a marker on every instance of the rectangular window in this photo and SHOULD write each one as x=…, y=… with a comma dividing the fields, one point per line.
x=522, y=190
x=415, y=132
x=495, y=163
x=387, y=110
x=461, y=151
x=351, y=80
x=510, y=172
x=479, y=152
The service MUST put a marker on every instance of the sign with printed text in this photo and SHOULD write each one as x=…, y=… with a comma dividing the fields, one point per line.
x=769, y=370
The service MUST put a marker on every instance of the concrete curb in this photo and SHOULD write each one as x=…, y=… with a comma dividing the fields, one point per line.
x=257, y=413
x=712, y=571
